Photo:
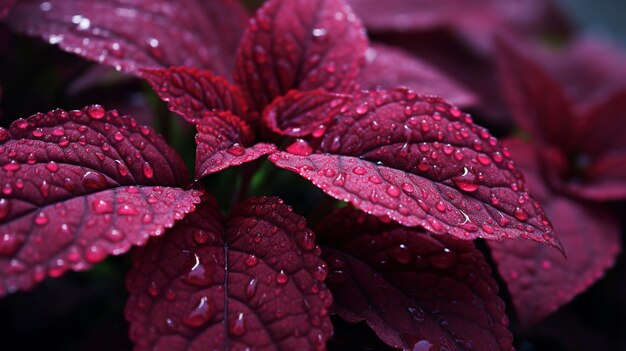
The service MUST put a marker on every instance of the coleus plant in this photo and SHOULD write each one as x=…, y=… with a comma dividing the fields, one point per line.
x=80, y=185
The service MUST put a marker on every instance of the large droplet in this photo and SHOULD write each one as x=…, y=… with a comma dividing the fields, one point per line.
x=199, y=275
x=100, y=206
x=94, y=180
x=237, y=325
x=393, y=191
x=201, y=313
x=236, y=149
x=147, y=170
x=300, y=147
x=443, y=260
x=41, y=218
x=466, y=181
x=95, y=111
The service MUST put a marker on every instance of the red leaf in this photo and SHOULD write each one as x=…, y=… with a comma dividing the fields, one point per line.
x=222, y=141
x=300, y=44
x=540, y=280
x=416, y=291
x=537, y=101
x=252, y=281
x=422, y=162
x=78, y=186
x=139, y=33
x=300, y=113
x=388, y=68
x=5, y=7
x=193, y=93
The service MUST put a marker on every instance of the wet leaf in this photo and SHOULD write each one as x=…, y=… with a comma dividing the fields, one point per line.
x=133, y=34
x=300, y=44
x=78, y=186
x=421, y=161
x=253, y=280
x=415, y=290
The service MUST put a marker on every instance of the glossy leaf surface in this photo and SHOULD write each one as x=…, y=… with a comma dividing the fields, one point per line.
x=138, y=33
x=301, y=44
x=422, y=162
x=415, y=290
x=223, y=141
x=252, y=281
x=80, y=185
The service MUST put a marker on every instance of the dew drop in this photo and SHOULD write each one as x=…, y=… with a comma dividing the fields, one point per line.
x=422, y=345
x=237, y=326
x=251, y=288
x=251, y=261
x=466, y=181
x=361, y=109
x=95, y=111
x=300, y=147
x=358, y=170
x=236, y=149
x=199, y=275
x=114, y=235
x=201, y=313
x=520, y=214
x=147, y=170
x=95, y=254
x=127, y=210
x=393, y=191
x=401, y=254
x=282, y=278
x=52, y=166
x=11, y=166
x=100, y=206
x=41, y=218
x=94, y=180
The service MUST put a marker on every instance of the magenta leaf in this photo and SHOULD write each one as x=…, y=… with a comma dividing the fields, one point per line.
x=133, y=34
x=253, y=281
x=415, y=290
x=388, y=68
x=193, y=93
x=222, y=142
x=540, y=280
x=78, y=186
x=5, y=7
x=300, y=113
x=300, y=44
x=422, y=162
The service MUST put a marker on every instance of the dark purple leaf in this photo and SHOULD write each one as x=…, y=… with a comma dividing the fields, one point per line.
x=583, y=152
x=388, y=68
x=138, y=33
x=78, y=186
x=541, y=280
x=253, y=281
x=300, y=44
x=5, y=7
x=223, y=141
x=422, y=162
x=477, y=21
x=193, y=93
x=536, y=100
x=300, y=113
x=416, y=291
